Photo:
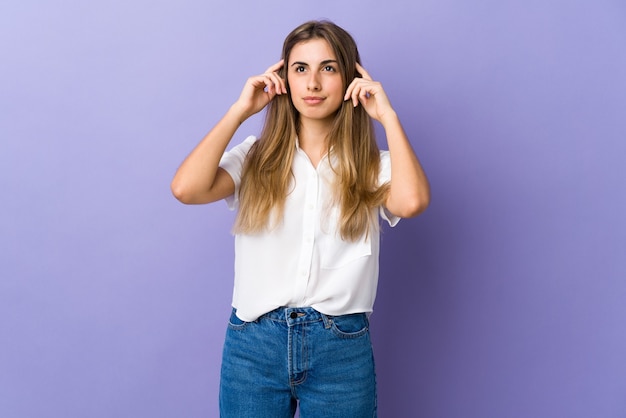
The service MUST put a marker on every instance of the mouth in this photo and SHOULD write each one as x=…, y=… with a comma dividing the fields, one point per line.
x=313, y=100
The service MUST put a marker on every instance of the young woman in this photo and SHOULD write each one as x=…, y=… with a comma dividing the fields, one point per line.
x=308, y=193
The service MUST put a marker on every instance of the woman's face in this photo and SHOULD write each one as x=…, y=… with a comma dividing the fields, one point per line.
x=314, y=80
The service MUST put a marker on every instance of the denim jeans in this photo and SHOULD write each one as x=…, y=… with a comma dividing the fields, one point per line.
x=298, y=356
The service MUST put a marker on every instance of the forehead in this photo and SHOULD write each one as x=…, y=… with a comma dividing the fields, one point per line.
x=313, y=51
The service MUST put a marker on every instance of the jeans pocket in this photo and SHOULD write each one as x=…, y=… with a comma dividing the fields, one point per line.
x=235, y=323
x=350, y=326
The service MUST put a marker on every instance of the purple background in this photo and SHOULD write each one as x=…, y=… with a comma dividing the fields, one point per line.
x=507, y=298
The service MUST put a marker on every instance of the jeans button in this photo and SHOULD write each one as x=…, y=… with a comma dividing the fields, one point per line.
x=293, y=315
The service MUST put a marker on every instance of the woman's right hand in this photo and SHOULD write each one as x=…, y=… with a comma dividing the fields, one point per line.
x=260, y=90
x=199, y=178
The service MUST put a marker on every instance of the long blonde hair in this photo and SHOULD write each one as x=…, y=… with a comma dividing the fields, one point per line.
x=353, y=151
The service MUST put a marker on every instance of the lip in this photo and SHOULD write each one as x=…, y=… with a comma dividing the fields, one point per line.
x=313, y=100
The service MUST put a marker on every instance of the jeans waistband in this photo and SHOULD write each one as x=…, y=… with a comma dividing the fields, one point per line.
x=294, y=316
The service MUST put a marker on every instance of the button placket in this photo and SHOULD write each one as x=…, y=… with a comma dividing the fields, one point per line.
x=308, y=236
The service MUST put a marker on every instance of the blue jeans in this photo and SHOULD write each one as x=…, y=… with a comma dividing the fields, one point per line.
x=298, y=356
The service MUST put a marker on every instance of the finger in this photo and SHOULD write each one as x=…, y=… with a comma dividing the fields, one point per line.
x=351, y=88
x=361, y=91
x=362, y=71
x=269, y=82
x=276, y=66
x=259, y=82
x=263, y=83
x=356, y=93
x=274, y=88
x=350, y=92
x=278, y=81
x=364, y=94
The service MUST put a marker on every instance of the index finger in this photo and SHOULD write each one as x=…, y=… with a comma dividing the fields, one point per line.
x=276, y=66
x=364, y=73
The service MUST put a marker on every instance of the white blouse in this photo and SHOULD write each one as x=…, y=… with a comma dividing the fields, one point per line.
x=303, y=261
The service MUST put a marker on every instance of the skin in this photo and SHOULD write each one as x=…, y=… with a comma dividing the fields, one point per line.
x=316, y=92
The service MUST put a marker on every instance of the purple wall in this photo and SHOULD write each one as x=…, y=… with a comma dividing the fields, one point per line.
x=507, y=298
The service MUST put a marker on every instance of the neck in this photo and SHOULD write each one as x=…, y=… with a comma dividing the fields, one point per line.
x=312, y=136
x=314, y=131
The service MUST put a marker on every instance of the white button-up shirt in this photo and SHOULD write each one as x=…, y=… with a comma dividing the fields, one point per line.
x=303, y=261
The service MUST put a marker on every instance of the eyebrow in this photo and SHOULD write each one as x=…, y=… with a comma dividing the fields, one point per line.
x=325, y=62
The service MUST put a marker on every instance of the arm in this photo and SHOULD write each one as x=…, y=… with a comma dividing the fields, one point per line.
x=199, y=178
x=409, y=192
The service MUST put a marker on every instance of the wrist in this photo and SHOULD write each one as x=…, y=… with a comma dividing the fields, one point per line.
x=389, y=118
x=238, y=113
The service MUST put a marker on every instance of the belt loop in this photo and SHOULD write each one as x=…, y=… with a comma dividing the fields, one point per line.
x=328, y=320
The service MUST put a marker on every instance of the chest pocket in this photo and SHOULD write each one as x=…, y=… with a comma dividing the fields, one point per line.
x=335, y=252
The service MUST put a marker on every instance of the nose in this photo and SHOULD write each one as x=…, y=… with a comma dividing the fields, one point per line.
x=313, y=83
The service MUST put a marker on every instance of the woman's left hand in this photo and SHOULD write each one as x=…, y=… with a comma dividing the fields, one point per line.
x=370, y=94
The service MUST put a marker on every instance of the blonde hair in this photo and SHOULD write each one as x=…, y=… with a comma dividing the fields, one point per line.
x=353, y=152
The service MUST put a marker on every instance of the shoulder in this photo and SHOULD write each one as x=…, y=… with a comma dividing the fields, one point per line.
x=233, y=159
x=239, y=151
x=246, y=144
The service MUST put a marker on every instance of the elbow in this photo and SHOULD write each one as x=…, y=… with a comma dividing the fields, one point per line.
x=414, y=207
x=190, y=194
x=410, y=206
x=180, y=192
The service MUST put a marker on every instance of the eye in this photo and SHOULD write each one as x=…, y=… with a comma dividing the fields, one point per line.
x=300, y=69
x=329, y=68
